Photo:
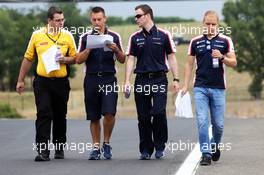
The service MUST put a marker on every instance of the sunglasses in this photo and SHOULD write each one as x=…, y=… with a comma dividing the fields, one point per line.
x=139, y=16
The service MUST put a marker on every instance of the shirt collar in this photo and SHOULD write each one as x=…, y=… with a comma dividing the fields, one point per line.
x=105, y=31
x=212, y=37
x=153, y=31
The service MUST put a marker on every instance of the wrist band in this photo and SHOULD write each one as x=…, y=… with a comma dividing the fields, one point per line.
x=176, y=79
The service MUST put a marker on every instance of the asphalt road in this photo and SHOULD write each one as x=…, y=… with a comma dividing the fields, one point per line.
x=17, y=138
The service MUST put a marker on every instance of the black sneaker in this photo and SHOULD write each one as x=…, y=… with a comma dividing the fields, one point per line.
x=95, y=154
x=59, y=154
x=144, y=156
x=205, y=160
x=43, y=156
x=215, y=154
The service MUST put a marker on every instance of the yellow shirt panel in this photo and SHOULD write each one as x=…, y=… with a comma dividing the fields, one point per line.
x=40, y=43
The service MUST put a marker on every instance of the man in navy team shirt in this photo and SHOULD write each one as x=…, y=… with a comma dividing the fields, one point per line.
x=100, y=82
x=154, y=50
x=211, y=52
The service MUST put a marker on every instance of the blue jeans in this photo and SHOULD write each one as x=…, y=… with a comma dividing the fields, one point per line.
x=213, y=99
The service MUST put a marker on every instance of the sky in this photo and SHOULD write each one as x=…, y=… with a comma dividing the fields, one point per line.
x=185, y=9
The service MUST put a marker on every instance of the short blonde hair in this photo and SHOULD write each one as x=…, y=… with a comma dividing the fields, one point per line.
x=211, y=12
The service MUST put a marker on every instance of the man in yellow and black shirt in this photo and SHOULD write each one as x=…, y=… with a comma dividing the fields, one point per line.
x=51, y=89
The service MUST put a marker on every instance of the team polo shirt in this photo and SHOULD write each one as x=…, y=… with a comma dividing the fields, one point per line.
x=99, y=60
x=40, y=42
x=151, y=50
x=206, y=74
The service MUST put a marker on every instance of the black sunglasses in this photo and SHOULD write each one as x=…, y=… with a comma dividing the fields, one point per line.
x=139, y=15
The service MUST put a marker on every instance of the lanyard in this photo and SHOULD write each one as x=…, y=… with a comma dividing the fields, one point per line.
x=55, y=41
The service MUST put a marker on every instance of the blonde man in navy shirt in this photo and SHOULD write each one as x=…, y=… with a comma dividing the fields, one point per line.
x=211, y=52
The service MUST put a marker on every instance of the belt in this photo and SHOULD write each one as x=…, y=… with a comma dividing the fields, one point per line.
x=151, y=74
x=100, y=74
x=52, y=78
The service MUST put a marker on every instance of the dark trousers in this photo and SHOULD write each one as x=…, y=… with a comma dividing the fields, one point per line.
x=51, y=97
x=151, y=110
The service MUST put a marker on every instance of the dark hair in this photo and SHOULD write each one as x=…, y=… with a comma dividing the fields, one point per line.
x=97, y=10
x=53, y=10
x=146, y=9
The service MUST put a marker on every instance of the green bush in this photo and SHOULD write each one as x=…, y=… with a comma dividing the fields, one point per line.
x=7, y=112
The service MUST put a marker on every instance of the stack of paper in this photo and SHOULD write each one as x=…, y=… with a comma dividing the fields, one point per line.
x=49, y=59
x=99, y=41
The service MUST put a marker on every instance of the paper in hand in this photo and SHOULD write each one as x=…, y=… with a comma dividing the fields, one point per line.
x=49, y=59
x=105, y=45
x=99, y=41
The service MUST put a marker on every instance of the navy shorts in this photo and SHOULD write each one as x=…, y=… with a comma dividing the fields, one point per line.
x=100, y=96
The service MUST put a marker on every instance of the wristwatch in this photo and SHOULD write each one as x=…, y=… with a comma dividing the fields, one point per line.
x=222, y=58
x=176, y=79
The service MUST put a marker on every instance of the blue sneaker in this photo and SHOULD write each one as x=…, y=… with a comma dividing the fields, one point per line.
x=95, y=154
x=159, y=154
x=144, y=156
x=107, y=151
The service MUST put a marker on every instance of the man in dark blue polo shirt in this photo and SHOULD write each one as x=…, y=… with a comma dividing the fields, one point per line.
x=211, y=52
x=100, y=82
x=154, y=50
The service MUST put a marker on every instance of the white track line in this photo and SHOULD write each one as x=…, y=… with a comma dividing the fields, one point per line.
x=191, y=163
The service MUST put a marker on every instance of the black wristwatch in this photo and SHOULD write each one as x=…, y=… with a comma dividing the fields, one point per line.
x=222, y=58
x=176, y=79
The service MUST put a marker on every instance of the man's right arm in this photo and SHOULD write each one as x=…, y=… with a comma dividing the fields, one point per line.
x=25, y=66
x=129, y=69
x=83, y=52
x=188, y=73
x=82, y=56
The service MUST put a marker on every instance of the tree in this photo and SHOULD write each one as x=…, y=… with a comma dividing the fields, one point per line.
x=246, y=18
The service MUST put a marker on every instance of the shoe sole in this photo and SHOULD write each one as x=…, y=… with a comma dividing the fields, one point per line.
x=93, y=158
x=205, y=164
x=41, y=160
x=215, y=159
x=144, y=158
x=58, y=157
x=162, y=157
x=107, y=157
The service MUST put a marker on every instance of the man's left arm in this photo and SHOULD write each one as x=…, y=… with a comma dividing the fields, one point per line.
x=120, y=55
x=174, y=69
x=229, y=59
x=170, y=49
x=117, y=49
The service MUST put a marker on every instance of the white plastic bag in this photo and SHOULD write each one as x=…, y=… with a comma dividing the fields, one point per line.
x=183, y=106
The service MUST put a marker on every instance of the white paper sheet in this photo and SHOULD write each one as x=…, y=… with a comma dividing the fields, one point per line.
x=49, y=61
x=183, y=105
x=99, y=41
